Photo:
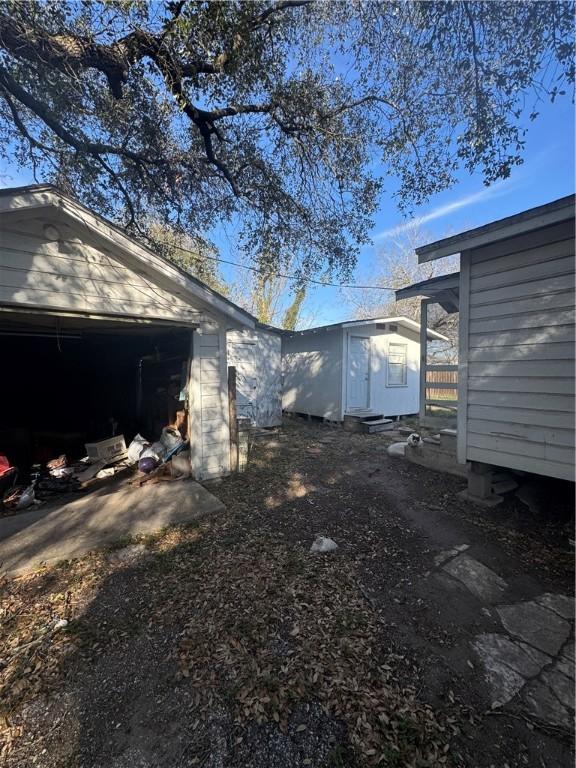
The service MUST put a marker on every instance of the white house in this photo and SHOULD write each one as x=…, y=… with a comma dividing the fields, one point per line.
x=257, y=356
x=357, y=366
x=101, y=335
x=515, y=295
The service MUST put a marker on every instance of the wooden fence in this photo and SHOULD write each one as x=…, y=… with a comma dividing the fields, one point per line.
x=441, y=382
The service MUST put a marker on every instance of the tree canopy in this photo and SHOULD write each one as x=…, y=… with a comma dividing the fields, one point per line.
x=284, y=115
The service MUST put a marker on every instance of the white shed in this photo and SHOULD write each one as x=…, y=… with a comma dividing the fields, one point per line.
x=100, y=333
x=516, y=360
x=257, y=356
x=358, y=366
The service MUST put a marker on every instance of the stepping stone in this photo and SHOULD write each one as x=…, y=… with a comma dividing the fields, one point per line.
x=480, y=580
x=507, y=664
x=560, y=604
x=535, y=625
x=544, y=704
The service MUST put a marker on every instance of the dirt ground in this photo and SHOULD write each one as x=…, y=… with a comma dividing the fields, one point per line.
x=228, y=644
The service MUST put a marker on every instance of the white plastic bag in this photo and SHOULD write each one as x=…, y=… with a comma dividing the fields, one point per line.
x=136, y=447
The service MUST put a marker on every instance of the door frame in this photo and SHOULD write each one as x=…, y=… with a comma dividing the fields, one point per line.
x=348, y=408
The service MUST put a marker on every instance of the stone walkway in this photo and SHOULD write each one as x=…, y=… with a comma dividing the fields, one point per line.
x=531, y=662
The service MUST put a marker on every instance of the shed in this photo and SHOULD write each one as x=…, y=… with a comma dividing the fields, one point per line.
x=257, y=356
x=367, y=366
x=102, y=336
x=515, y=296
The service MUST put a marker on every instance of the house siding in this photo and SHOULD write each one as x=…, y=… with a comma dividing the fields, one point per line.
x=210, y=430
x=265, y=409
x=312, y=372
x=390, y=400
x=519, y=338
x=53, y=265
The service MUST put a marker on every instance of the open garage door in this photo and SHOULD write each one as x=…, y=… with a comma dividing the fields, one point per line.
x=69, y=381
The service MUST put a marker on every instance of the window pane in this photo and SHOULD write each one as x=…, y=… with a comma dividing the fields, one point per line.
x=397, y=355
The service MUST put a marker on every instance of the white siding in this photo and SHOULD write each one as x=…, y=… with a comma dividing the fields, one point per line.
x=209, y=416
x=312, y=370
x=519, y=335
x=52, y=265
x=385, y=398
x=265, y=408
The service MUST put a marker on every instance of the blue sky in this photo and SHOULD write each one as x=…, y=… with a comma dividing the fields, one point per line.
x=546, y=174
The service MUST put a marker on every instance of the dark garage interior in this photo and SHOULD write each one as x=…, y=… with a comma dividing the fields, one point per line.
x=66, y=382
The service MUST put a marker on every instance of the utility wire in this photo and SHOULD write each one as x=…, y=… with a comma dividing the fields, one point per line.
x=198, y=257
x=259, y=271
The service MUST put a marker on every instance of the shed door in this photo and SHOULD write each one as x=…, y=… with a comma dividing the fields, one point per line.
x=242, y=356
x=358, y=372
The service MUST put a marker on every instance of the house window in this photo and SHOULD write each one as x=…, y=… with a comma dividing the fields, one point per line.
x=397, y=365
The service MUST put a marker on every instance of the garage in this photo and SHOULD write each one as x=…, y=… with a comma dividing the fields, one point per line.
x=101, y=338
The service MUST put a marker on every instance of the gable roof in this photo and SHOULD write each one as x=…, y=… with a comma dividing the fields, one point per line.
x=406, y=322
x=46, y=196
x=519, y=223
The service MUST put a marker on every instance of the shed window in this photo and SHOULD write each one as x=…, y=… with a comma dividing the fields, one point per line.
x=397, y=367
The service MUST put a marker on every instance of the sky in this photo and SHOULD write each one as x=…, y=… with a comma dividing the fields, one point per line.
x=546, y=174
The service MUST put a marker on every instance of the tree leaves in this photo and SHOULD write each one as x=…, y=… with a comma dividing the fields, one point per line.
x=283, y=118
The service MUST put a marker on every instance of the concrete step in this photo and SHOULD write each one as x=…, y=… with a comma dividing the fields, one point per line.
x=448, y=437
x=433, y=440
x=353, y=421
x=376, y=425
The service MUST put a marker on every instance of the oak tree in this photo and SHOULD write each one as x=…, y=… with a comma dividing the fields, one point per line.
x=286, y=116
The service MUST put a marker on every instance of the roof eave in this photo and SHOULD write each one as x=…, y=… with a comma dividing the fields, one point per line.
x=520, y=223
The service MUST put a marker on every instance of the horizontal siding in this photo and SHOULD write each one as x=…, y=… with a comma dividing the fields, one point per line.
x=533, y=319
x=524, y=463
x=522, y=243
x=551, y=435
x=524, y=369
x=543, y=351
x=561, y=453
x=79, y=277
x=510, y=262
x=534, y=400
x=544, y=296
x=520, y=340
x=541, y=336
x=544, y=386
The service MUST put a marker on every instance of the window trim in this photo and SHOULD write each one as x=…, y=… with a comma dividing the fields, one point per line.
x=404, y=383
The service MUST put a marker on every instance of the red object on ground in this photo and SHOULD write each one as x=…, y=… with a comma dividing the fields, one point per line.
x=4, y=465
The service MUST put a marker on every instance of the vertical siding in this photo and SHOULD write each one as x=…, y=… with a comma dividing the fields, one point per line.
x=519, y=399
x=210, y=433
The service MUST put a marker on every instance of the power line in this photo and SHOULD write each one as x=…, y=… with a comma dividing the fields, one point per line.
x=258, y=271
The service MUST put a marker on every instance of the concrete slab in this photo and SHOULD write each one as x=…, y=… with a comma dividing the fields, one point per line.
x=478, y=578
x=535, y=625
x=98, y=519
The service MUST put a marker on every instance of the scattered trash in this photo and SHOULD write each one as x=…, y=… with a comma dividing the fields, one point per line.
x=323, y=544
x=61, y=624
x=136, y=447
x=58, y=463
x=111, y=448
x=147, y=464
x=108, y=472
